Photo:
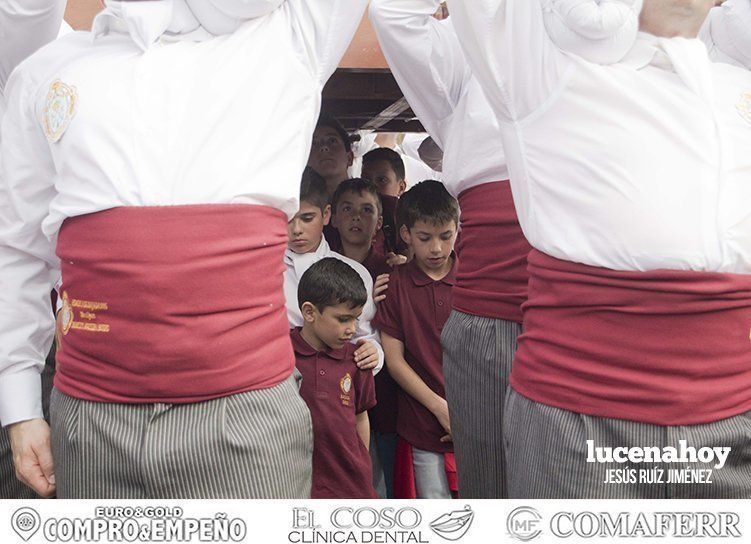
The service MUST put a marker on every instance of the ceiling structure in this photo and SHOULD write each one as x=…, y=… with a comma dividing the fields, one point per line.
x=362, y=93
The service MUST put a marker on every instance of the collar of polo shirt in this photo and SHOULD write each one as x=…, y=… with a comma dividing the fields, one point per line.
x=146, y=21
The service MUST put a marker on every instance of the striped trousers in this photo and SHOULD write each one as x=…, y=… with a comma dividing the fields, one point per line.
x=546, y=453
x=255, y=445
x=477, y=357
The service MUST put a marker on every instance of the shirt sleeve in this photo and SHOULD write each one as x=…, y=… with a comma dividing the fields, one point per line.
x=28, y=266
x=365, y=329
x=365, y=393
x=25, y=26
x=389, y=318
x=325, y=29
x=425, y=57
x=510, y=53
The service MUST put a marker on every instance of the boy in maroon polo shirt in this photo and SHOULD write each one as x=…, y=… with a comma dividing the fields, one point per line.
x=410, y=319
x=331, y=296
x=357, y=215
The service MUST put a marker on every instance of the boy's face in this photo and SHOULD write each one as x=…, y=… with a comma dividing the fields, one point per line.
x=328, y=154
x=357, y=218
x=335, y=326
x=432, y=244
x=383, y=175
x=305, y=230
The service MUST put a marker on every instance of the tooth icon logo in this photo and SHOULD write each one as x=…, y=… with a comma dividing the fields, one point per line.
x=454, y=525
x=25, y=522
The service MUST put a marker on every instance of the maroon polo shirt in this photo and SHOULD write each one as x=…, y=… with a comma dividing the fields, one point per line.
x=335, y=391
x=414, y=312
x=383, y=416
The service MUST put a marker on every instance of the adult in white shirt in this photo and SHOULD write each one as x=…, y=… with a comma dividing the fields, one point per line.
x=727, y=33
x=175, y=133
x=631, y=183
x=23, y=30
x=479, y=339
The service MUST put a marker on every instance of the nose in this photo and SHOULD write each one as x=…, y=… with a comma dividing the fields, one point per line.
x=296, y=227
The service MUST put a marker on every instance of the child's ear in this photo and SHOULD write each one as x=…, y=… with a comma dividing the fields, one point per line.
x=327, y=214
x=402, y=186
x=309, y=312
x=405, y=234
x=379, y=224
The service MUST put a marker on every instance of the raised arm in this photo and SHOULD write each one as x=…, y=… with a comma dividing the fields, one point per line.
x=510, y=53
x=25, y=26
x=425, y=57
x=325, y=29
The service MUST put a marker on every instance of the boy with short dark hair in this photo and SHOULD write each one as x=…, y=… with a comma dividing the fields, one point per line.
x=331, y=296
x=306, y=246
x=411, y=319
x=385, y=167
x=357, y=214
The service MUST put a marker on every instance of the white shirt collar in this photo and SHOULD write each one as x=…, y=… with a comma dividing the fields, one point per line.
x=647, y=50
x=300, y=262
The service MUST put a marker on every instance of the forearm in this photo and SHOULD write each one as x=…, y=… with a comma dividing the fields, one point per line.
x=363, y=428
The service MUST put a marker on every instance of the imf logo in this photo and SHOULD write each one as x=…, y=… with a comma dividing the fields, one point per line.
x=524, y=523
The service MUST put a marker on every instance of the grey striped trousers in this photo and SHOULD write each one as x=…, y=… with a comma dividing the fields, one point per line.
x=477, y=357
x=255, y=445
x=546, y=454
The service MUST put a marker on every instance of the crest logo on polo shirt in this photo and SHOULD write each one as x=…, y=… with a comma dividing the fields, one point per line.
x=65, y=317
x=59, y=109
x=744, y=106
x=345, y=386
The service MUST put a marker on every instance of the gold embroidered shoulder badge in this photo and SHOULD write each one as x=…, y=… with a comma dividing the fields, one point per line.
x=59, y=109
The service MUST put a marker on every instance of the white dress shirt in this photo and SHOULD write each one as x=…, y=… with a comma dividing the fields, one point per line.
x=727, y=33
x=159, y=120
x=426, y=58
x=641, y=165
x=24, y=28
x=298, y=263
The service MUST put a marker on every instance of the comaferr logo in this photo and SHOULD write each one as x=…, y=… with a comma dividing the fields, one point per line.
x=526, y=523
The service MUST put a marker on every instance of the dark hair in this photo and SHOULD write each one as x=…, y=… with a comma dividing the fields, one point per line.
x=359, y=186
x=313, y=189
x=330, y=282
x=326, y=120
x=390, y=156
x=427, y=201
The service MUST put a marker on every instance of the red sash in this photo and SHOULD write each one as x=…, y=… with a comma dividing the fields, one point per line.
x=172, y=304
x=491, y=280
x=664, y=347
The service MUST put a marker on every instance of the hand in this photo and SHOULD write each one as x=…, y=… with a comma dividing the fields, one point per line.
x=366, y=356
x=380, y=286
x=395, y=259
x=441, y=412
x=32, y=455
